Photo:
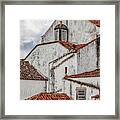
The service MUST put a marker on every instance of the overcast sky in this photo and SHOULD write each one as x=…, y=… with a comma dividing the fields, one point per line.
x=30, y=34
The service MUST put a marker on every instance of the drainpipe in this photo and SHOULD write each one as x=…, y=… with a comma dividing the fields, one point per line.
x=70, y=88
x=52, y=80
x=49, y=77
x=97, y=51
x=45, y=86
x=64, y=80
x=51, y=83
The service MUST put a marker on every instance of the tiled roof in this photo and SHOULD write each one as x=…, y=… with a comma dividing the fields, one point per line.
x=96, y=22
x=49, y=96
x=67, y=45
x=28, y=72
x=94, y=73
x=84, y=83
x=70, y=45
x=96, y=96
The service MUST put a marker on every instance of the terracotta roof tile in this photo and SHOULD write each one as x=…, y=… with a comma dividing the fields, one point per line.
x=95, y=96
x=94, y=73
x=28, y=72
x=70, y=45
x=49, y=96
x=84, y=83
x=96, y=22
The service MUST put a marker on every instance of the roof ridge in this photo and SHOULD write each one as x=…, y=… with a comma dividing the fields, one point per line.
x=93, y=73
x=84, y=83
x=74, y=46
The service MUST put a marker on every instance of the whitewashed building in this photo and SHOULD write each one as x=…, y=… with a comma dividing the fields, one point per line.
x=83, y=86
x=54, y=56
x=75, y=31
x=71, y=47
x=31, y=82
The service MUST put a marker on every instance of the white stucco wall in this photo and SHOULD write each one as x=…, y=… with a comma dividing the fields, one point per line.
x=43, y=54
x=60, y=72
x=92, y=80
x=87, y=58
x=31, y=87
x=80, y=31
x=49, y=35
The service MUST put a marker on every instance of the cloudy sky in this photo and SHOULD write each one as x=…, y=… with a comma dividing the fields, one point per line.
x=30, y=34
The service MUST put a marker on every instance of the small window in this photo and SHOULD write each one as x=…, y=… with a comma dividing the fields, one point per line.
x=64, y=35
x=37, y=57
x=56, y=35
x=67, y=22
x=66, y=70
x=80, y=93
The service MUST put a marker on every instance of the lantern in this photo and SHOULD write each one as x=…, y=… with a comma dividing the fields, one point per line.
x=61, y=32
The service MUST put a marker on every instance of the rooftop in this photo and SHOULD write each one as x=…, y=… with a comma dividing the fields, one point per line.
x=70, y=45
x=28, y=72
x=67, y=45
x=49, y=96
x=94, y=73
x=96, y=22
x=96, y=96
x=83, y=78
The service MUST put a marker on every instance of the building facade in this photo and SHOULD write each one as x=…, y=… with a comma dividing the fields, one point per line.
x=31, y=82
x=79, y=31
x=68, y=47
x=87, y=83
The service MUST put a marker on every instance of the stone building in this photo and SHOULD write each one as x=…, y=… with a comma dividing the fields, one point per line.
x=68, y=47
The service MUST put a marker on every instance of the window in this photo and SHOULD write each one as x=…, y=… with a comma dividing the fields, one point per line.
x=67, y=22
x=56, y=35
x=66, y=70
x=64, y=35
x=61, y=32
x=80, y=93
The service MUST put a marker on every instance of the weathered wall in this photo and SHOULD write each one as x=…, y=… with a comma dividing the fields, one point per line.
x=60, y=72
x=87, y=58
x=43, y=54
x=80, y=31
x=49, y=35
x=91, y=80
x=31, y=87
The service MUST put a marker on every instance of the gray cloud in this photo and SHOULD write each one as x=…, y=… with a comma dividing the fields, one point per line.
x=30, y=34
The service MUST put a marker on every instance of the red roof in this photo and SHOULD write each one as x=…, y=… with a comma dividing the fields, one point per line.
x=28, y=72
x=96, y=22
x=94, y=73
x=70, y=45
x=49, y=96
x=95, y=96
x=67, y=45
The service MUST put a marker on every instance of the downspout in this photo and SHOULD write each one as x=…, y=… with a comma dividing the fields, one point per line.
x=71, y=89
x=45, y=85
